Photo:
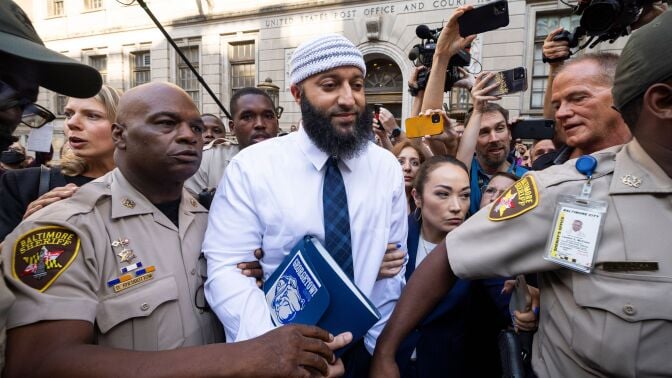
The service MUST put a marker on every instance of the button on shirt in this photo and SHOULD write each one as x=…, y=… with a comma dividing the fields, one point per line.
x=270, y=197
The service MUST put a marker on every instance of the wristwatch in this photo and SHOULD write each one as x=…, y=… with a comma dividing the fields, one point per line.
x=396, y=132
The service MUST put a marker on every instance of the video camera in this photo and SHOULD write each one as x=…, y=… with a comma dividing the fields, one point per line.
x=606, y=20
x=423, y=53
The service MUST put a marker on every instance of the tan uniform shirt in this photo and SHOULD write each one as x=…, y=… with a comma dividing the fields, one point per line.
x=6, y=300
x=216, y=157
x=73, y=248
x=605, y=323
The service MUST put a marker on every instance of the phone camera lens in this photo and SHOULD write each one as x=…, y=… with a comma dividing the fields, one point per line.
x=436, y=118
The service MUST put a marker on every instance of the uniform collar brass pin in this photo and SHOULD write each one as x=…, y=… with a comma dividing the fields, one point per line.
x=126, y=255
x=631, y=180
x=128, y=203
x=120, y=242
x=194, y=203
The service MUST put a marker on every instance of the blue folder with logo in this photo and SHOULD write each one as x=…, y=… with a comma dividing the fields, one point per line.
x=309, y=287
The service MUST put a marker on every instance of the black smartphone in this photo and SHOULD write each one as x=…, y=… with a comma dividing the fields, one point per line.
x=509, y=81
x=484, y=18
x=533, y=129
x=376, y=115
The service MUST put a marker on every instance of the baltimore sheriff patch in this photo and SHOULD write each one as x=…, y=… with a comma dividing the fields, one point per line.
x=42, y=254
x=520, y=198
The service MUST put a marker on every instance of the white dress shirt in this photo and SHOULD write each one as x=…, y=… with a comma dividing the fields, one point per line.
x=270, y=197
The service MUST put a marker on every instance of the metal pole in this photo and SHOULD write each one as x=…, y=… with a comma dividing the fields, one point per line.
x=184, y=58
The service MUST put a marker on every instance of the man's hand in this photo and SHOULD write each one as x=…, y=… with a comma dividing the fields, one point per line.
x=450, y=41
x=413, y=80
x=393, y=261
x=387, y=120
x=467, y=81
x=527, y=320
x=50, y=197
x=294, y=351
x=479, y=93
x=555, y=49
x=336, y=368
x=253, y=268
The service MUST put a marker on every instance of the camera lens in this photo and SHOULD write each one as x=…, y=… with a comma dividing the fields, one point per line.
x=518, y=73
x=436, y=118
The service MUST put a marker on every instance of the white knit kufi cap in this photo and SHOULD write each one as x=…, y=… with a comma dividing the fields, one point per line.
x=323, y=54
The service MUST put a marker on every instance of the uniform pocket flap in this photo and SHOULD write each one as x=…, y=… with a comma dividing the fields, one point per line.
x=625, y=296
x=135, y=303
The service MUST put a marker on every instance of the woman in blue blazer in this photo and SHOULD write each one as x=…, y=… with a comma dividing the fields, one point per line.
x=443, y=345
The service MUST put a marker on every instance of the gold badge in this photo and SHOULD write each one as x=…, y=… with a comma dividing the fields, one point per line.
x=128, y=203
x=520, y=198
x=194, y=203
x=42, y=254
x=126, y=255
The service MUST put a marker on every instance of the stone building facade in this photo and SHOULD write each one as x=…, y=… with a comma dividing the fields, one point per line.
x=241, y=43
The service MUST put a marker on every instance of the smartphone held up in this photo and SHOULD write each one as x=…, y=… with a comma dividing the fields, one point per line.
x=423, y=125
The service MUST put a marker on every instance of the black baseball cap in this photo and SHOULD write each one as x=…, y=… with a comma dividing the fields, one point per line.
x=645, y=60
x=56, y=71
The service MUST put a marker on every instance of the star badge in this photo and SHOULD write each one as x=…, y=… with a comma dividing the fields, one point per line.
x=126, y=255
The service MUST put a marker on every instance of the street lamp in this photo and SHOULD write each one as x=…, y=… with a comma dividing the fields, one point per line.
x=273, y=92
x=459, y=103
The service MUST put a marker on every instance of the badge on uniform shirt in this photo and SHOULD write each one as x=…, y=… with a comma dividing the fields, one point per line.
x=42, y=254
x=520, y=198
x=576, y=231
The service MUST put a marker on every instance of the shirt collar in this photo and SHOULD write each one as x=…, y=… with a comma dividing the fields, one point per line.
x=317, y=157
x=636, y=172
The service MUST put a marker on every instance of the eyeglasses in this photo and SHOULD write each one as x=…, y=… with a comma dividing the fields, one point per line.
x=491, y=191
x=34, y=115
x=199, y=298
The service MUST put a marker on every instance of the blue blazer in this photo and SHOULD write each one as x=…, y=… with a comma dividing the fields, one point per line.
x=444, y=338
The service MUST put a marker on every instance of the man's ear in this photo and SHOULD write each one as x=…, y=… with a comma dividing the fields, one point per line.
x=296, y=93
x=232, y=126
x=119, y=136
x=658, y=98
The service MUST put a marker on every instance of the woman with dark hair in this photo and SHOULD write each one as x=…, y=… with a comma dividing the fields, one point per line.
x=88, y=126
x=410, y=157
x=440, y=346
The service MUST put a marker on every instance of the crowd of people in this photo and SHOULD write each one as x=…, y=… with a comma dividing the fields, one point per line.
x=145, y=247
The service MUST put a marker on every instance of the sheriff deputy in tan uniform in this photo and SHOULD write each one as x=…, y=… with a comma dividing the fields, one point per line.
x=116, y=268
x=617, y=319
x=254, y=120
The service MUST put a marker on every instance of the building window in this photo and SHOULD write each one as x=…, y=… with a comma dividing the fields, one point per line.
x=55, y=8
x=99, y=62
x=544, y=25
x=61, y=101
x=243, y=68
x=93, y=4
x=185, y=78
x=140, y=68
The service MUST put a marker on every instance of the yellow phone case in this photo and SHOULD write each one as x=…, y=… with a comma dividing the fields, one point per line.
x=417, y=127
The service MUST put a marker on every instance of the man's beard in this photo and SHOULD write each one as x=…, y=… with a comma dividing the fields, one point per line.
x=496, y=162
x=327, y=138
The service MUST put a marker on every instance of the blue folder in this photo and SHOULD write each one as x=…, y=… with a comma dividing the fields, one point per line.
x=309, y=287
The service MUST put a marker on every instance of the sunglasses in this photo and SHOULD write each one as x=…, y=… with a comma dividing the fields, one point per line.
x=34, y=115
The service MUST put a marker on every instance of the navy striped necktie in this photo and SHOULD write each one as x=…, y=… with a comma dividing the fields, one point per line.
x=336, y=217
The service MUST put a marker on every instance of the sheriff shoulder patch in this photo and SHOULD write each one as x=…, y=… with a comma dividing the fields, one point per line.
x=42, y=254
x=520, y=198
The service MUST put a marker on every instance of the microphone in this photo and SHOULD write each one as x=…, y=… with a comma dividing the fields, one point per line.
x=414, y=53
x=423, y=31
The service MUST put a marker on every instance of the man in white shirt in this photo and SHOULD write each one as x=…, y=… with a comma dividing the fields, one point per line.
x=272, y=193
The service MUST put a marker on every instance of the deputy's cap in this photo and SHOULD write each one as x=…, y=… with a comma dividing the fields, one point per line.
x=645, y=60
x=55, y=71
x=323, y=54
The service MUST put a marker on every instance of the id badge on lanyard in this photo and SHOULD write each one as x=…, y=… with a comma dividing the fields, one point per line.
x=577, y=225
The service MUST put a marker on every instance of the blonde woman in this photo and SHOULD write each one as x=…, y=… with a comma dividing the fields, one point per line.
x=88, y=126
